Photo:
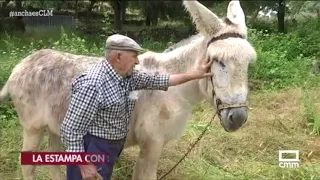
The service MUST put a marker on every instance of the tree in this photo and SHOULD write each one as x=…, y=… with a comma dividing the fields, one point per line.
x=281, y=15
x=90, y=7
x=119, y=8
x=280, y=7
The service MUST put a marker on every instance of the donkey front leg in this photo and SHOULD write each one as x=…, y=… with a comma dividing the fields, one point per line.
x=147, y=163
x=55, y=146
x=31, y=141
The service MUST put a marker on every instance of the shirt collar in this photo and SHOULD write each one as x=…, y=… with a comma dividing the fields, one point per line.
x=110, y=71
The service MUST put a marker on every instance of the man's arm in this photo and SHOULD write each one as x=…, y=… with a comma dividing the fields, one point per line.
x=163, y=81
x=82, y=110
x=143, y=80
x=176, y=79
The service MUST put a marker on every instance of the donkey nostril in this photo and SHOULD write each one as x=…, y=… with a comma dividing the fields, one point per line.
x=231, y=118
x=237, y=116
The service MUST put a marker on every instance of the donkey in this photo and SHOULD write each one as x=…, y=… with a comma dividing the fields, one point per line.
x=39, y=87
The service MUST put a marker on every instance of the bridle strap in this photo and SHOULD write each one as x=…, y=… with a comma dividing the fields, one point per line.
x=233, y=105
x=219, y=104
x=225, y=36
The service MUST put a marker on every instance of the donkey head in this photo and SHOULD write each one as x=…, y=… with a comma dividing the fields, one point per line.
x=226, y=45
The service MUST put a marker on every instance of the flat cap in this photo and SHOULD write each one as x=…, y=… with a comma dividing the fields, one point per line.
x=121, y=42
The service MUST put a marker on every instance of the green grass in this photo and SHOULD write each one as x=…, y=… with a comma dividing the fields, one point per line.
x=284, y=113
x=251, y=153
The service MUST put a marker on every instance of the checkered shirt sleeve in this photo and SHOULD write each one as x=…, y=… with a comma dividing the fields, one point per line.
x=82, y=111
x=143, y=80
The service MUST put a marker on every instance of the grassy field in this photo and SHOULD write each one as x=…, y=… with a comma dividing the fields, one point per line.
x=284, y=114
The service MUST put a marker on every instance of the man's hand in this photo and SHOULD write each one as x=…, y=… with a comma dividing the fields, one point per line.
x=89, y=172
x=201, y=71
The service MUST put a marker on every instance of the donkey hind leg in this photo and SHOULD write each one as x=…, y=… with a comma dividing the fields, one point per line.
x=147, y=162
x=55, y=146
x=31, y=141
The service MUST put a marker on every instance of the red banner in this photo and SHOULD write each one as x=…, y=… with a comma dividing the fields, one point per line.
x=63, y=158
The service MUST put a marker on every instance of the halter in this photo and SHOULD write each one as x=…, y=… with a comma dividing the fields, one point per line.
x=220, y=105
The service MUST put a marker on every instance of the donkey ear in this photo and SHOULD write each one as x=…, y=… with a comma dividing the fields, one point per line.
x=206, y=22
x=235, y=13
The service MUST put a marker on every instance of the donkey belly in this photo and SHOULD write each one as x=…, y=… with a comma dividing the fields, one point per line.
x=152, y=125
x=176, y=126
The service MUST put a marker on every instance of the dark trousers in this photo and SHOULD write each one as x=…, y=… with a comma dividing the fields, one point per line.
x=96, y=144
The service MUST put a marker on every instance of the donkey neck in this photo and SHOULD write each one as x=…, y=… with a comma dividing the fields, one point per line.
x=184, y=59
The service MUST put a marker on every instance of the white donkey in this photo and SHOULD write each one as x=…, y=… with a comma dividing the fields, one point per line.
x=39, y=87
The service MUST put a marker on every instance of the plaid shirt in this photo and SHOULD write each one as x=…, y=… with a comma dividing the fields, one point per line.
x=100, y=105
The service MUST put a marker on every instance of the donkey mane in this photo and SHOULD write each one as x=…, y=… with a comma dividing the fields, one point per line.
x=177, y=60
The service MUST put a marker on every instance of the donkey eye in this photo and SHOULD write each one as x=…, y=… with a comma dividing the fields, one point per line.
x=221, y=64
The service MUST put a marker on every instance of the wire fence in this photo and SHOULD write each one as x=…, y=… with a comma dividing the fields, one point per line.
x=56, y=20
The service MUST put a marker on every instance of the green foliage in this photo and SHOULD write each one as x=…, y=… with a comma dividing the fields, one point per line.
x=285, y=59
x=75, y=44
x=7, y=113
x=264, y=25
x=312, y=116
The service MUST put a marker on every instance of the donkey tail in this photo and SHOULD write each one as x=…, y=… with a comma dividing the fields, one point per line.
x=4, y=93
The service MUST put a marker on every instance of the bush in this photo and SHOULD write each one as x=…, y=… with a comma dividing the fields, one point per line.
x=286, y=59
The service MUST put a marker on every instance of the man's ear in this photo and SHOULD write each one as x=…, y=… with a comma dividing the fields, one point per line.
x=118, y=55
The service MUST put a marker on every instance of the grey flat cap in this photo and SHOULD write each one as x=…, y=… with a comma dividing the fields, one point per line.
x=120, y=42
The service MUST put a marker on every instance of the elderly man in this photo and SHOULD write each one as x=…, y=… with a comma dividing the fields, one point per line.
x=98, y=115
